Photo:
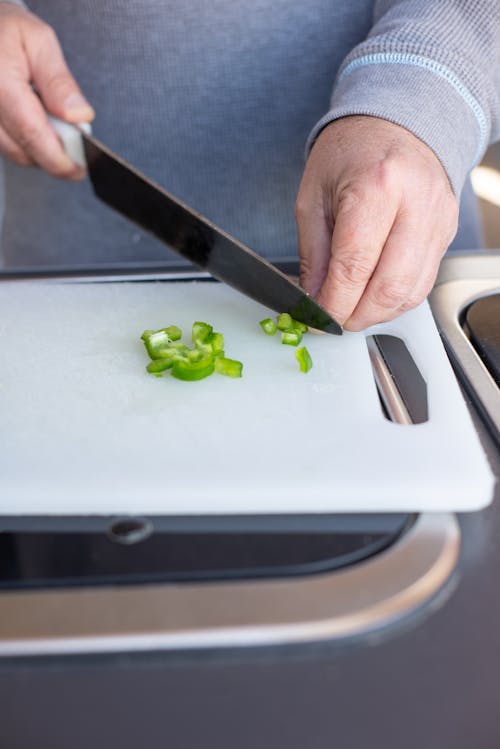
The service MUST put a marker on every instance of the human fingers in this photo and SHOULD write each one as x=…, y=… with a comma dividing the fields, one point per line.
x=364, y=215
x=30, y=55
x=408, y=265
x=24, y=120
x=53, y=80
x=12, y=151
x=314, y=232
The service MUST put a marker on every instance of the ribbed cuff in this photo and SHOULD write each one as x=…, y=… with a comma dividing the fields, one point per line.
x=422, y=96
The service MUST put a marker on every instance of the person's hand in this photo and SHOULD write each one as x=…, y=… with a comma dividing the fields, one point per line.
x=375, y=214
x=31, y=57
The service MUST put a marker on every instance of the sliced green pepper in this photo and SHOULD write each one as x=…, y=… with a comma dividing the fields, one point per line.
x=216, y=342
x=228, y=367
x=196, y=354
x=169, y=355
x=166, y=351
x=157, y=341
x=304, y=358
x=180, y=348
x=213, y=344
x=300, y=326
x=158, y=366
x=183, y=369
x=285, y=321
x=268, y=326
x=201, y=332
x=173, y=332
x=291, y=337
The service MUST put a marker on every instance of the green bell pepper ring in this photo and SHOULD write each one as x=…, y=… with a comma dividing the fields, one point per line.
x=184, y=369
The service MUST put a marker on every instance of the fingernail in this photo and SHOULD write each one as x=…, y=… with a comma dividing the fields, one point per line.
x=351, y=326
x=77, y=103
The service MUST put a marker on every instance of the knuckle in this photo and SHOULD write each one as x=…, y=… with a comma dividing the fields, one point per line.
x=394, y=294
x=300, y=209
x=411, y=302
x=350, y=198
x=311, y=276
x=20, y=158
x=60, y=84
x=29, y=135
x=306, y=203
x=351, y=270
x=15, y=155
x=385, y=174
x=306, y=267
x=45, y=33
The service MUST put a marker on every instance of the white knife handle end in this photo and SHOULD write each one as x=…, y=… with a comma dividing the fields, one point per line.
x=71, y=139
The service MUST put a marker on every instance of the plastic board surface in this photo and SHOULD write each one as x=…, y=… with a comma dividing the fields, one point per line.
x=85, y=430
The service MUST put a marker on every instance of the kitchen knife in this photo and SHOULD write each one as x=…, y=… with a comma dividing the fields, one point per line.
x=132, y=194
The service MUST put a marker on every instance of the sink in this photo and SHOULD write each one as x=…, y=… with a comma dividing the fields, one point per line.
x=85, y=615
x=465, y=305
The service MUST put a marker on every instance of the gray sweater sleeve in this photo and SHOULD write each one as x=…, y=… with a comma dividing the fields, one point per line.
x=433, y=67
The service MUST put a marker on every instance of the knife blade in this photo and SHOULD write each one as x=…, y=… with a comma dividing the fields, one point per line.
x=146, y=204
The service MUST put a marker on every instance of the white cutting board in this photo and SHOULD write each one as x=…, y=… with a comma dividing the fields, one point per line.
x=84, y=429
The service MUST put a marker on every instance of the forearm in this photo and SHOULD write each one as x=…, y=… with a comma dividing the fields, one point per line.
x=434, y=68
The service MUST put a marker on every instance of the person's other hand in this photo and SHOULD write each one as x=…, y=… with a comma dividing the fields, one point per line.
x=375, y=214
x=31, y=57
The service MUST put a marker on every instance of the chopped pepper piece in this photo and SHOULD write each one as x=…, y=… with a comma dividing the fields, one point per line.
x=228, y=367
x=285, y=321
x=300, y=326
x=291, y=337
x=196, y=354
x=179, y=348
x=166, y=351
x=304, y=358
x=158, y=341
x=155, y=341
x=158, y=366
x=173, y=332
x=216, y=342
x=201, y=332
x=268, y=326
x=183, y=369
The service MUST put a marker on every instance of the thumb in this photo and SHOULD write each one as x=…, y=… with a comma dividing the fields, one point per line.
x=54, y=83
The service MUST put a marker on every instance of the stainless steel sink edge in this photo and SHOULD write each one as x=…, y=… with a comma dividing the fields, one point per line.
x=461, y=281
x=367, y=598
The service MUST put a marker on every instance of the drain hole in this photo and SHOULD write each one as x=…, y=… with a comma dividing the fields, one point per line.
x=130, y=530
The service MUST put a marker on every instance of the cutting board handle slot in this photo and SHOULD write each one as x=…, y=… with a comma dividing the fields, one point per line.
x=401, y=388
